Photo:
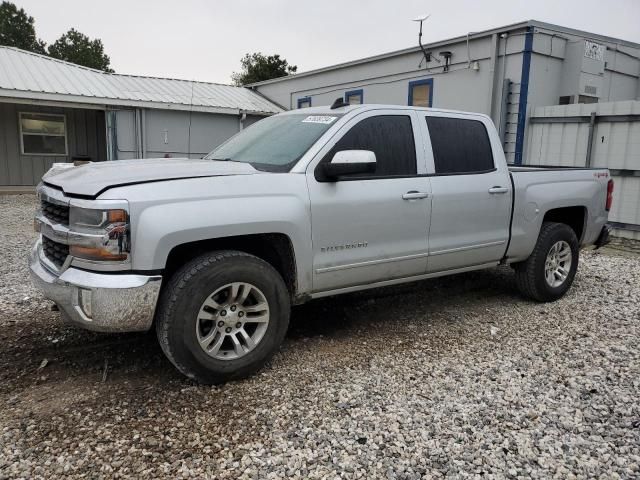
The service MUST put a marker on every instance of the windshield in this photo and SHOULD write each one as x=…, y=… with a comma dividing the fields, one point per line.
x=276, y=143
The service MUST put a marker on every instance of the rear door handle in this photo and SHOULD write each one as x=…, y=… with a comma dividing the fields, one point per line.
x=494, y=190
x=414, y=195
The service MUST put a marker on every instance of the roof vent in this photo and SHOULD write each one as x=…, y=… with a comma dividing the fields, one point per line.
x=339, y=103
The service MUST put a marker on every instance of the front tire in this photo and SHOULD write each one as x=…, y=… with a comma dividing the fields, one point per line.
x=549, y=272
x=222, y=316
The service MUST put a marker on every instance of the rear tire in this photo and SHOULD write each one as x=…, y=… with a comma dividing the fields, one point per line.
x=549, y=272
x=222, y=316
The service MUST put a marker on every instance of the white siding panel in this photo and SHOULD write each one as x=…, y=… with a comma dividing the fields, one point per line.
x=625, y=208
x=616, y=145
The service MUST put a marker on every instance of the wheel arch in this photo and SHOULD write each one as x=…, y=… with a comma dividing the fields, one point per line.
x=574, y=216
x=274, y=248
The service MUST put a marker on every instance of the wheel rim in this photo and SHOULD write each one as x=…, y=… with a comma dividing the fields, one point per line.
x=558, y=264
x=232, y=321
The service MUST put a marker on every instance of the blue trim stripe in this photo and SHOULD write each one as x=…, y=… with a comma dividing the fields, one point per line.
x=427, y=81
x=524, y=93
x=354, y=93
x=304, y=99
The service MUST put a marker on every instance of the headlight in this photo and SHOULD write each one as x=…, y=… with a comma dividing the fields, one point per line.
x=99, y=234
x=87, y=218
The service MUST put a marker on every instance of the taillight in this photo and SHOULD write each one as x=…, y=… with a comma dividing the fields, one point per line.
x=609, y=195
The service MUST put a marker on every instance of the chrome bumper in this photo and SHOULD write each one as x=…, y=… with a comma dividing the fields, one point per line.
x=103, y=302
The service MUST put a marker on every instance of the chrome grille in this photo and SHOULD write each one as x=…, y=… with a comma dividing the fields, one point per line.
x=54, y=212
x=55, y=252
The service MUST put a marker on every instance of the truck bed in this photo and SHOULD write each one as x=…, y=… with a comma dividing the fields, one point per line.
x=540, y=189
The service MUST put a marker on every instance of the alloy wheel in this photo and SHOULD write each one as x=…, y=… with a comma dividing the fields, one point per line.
x=232, y=321
x=558, y=264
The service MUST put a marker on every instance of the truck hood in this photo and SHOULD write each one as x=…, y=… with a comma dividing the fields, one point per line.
x=91, y=179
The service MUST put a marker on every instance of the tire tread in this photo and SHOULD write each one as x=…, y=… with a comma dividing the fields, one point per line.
x=174, y=289
x=525, y=272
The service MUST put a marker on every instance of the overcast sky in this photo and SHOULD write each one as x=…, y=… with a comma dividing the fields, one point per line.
x=204, y=40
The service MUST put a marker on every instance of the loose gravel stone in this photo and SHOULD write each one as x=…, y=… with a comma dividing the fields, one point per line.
x=448, y=378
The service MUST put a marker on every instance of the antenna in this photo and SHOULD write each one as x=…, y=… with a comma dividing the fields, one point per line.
x=427, y=55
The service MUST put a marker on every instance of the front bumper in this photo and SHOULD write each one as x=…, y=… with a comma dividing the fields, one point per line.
x=103, y=302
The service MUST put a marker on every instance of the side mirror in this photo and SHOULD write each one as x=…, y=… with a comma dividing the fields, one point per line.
x=350, y=162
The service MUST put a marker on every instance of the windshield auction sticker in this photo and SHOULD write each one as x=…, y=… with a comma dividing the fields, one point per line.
x=319, y=119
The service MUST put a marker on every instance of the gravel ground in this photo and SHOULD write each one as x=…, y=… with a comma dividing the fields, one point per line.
x=458, y=377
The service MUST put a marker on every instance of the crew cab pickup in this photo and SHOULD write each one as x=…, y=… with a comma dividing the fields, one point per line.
x=304, y=204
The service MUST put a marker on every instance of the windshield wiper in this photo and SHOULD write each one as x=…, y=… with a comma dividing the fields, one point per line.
x=227, y=160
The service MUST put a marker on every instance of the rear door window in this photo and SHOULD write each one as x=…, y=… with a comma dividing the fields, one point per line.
x=460, y=146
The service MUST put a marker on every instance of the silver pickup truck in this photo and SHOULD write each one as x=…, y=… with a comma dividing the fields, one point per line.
x=302, y=205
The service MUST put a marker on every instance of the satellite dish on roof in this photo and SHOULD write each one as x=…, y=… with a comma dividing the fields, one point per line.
x=427, y=55
x=421, y=18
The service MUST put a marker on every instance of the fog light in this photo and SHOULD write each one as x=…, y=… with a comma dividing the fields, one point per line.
x=85, y=301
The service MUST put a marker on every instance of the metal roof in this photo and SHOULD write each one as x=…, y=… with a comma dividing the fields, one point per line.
x=30, y=76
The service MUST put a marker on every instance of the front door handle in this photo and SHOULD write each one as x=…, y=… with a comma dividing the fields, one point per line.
x=494, y=190
x=414, y=195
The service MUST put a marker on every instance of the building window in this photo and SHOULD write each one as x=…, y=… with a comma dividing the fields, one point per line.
x=354, y=97
x=43, y=134
x=421, y=93
x=565, y=100
x=304, y=102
